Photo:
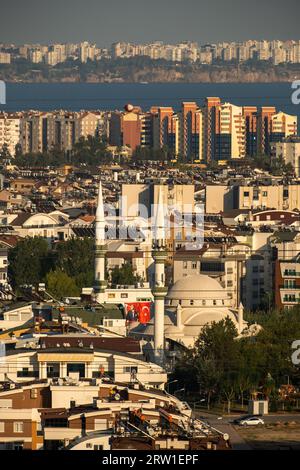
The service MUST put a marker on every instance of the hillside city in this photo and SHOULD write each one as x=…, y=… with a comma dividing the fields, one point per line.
x=248, y=61
x=149, y=278
x=276, y=51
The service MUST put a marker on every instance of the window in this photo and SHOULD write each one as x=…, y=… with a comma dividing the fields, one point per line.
x=124, y=296
x=290, y=283
x=18, y=426
x=265, y=193
x=246, y=193
x=130, y=370
x=191, y=302
x=53, y=370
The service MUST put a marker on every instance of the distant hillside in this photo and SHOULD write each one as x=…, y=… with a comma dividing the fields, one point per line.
x=143, y=69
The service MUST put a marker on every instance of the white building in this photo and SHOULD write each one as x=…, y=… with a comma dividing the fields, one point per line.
x=10, y=125
x=289, y=150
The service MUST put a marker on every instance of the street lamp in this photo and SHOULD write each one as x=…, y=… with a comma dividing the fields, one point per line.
x=169, y=383
x=179, y=390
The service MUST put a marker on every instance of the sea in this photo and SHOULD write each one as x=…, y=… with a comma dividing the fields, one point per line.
x=112, y=96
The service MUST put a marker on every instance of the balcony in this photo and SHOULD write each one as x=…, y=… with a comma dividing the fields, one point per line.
x=28, y=374
x=57, y=434
x=291, y=299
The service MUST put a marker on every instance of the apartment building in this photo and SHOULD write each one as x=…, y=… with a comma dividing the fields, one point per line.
x=36, y=56
x=224, y=129
x=277, y=197
x=41, y=131
x=191, y=132
x=87, y=52
x=289, y=150
x=286, y=246
x=5, y=58
x=250, y=117
x=81, y=357
x=10, y=125
x=60, y=131
x=91, y=124
x=51, y=58
x=34, y=132
x=166, y=128
x=229, y=133
x=80, y=415
x=20, y=421
x=211, y=104
x=274, y=127
x=179, y=196
x=126, y=127
x=223, y=198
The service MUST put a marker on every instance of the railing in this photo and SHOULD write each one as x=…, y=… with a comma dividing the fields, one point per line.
x=28, y=374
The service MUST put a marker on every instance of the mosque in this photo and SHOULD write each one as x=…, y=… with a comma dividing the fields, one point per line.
x=179, y=312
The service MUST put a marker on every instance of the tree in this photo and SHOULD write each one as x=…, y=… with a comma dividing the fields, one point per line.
x=123, y=275
x=29, y=261
x=75, y=257
x=214, y=361
x=59, y=284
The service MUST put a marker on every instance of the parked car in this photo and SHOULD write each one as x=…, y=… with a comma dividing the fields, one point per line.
x=251, y=421
x=244, y=417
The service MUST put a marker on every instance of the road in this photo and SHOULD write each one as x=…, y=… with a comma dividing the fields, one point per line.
x=224, y=425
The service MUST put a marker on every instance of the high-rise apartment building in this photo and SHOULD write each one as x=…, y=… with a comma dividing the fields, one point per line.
x=9, y=132
x=289, y=150
x=250, y=116
x=165, y=129
x=126, y=127
x=211, y=104
x=274, y=127
x=5, y=58
x=229, y=133
x=191, y=132
x=87, y=51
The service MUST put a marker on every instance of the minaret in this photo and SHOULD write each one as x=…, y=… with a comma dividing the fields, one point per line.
x=159, y=255
x=100, y=245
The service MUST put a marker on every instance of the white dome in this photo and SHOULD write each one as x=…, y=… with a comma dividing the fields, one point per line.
x=197, y=291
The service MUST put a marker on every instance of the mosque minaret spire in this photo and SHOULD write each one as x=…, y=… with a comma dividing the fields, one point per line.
x=100, y=244
x=159, y=255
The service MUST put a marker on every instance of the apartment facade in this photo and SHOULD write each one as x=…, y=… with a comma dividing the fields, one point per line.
x=289, y=150
x=224, y=198
x=274, y=127
x=191, y=132
x=10, y=125
x=286, y=246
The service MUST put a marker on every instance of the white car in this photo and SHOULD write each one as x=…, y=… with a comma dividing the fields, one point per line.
x=253, y=421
